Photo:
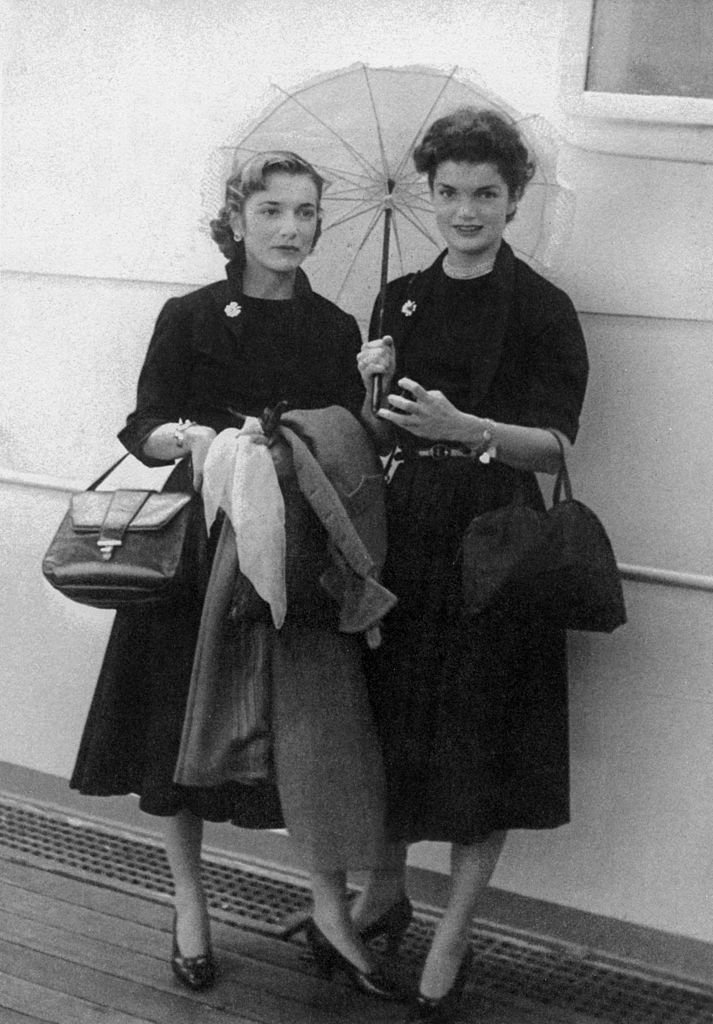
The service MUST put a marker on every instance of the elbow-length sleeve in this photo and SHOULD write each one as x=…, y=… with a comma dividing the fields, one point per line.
x=163, y=386
x=558, y=367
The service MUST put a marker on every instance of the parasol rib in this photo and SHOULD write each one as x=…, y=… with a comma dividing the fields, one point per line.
x=350, y=268
x=343, y=197
x=352, y=216
x=350, y=177
x=420, y=208
x=348, y=196
x=360, y=193
x=379, y=135
x=416, y=223
x=355, y=179
x=425, y=120
x=366, y=164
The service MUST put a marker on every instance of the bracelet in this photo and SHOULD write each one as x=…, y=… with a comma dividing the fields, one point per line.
x=181, y=428
x=488, y=448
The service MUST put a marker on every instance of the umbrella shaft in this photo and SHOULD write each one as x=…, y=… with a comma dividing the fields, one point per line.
x=384, y=266
x=378, y=382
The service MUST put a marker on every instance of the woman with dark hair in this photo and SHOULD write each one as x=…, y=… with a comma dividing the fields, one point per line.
x=482, y=358
x=259, y=340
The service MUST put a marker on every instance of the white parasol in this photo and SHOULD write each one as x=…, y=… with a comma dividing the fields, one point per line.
x=359, y=127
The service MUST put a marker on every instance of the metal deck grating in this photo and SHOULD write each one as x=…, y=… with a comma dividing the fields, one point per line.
x=507, y=968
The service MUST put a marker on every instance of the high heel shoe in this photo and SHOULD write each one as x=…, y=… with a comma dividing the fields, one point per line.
x=443, y=1010
x=296, y=923
x=328, y=959
x=393, y=924
x=195, y=972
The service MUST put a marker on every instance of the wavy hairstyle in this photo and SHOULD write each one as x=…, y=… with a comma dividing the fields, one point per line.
x=252, y=177
x=475, y=136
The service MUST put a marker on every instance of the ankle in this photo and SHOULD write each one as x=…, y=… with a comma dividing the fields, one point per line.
x=449, y=945
x=192, y=923
x=189, y=898
x=442, y=965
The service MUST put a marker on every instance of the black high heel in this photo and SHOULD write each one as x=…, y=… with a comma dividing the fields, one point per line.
x=443, y=1010
x=393, y=924
x=195, y=972
x=328, y=959
x=296, y=923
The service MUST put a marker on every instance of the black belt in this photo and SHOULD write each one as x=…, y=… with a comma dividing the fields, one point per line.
x=441, y=450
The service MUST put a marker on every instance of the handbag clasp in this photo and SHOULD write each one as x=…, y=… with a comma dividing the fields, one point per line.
x=123, y=508
x=107, y=548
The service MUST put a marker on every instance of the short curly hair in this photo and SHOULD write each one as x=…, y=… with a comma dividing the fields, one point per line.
x=252, y=177
x=477, y=136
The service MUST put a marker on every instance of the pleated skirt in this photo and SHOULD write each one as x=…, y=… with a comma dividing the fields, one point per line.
x=472, y=711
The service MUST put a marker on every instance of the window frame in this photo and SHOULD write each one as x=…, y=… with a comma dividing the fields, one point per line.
x=675, y=127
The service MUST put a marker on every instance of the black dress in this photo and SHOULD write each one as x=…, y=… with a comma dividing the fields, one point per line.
x=472, y=711
x=214, y=353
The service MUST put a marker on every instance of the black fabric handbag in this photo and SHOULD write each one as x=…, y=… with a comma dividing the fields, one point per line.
x=558, y=564
x=121, y=547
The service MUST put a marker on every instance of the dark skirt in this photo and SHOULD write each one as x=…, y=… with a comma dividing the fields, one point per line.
x=472, y=712
x=133, y=730
x=326, y=782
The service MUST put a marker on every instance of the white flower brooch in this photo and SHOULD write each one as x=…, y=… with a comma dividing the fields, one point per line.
x=408, y=308
x=233, y=309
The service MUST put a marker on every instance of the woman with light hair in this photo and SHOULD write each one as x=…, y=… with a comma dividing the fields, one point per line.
x=259, y=340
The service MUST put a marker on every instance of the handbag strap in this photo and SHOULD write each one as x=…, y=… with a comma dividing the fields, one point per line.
x=107, y=472
x=562, y=474
x=562, y=481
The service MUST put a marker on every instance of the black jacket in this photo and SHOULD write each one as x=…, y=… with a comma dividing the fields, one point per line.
x=530, y=365
x=202, y=362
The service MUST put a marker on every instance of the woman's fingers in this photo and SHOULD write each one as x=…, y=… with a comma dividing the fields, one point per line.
x=416, y=390
x=378, y=348
x=372, y=366
x=423, y=413
x=404, y=404
x=405, y=420
x=376, y=358
x=376, y=344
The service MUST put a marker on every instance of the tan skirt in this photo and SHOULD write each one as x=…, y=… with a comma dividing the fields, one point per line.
x=327, y=757
x=291, y=703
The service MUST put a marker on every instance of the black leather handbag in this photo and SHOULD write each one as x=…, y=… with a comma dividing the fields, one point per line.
x=557, y=564
x=121, y=547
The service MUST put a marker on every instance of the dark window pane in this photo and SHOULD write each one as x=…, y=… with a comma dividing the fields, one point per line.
x=652, y=47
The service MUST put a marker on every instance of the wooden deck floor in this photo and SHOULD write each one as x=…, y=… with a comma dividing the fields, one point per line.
x=78, y=953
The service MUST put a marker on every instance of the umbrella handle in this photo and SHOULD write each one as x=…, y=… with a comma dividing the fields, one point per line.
x=377, y=383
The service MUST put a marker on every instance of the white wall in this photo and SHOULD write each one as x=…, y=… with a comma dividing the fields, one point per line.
x=110, y=114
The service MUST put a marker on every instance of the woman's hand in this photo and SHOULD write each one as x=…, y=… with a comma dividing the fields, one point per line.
x=429, y=414
x=426, y=414
x=377, y=357
x=197, y=440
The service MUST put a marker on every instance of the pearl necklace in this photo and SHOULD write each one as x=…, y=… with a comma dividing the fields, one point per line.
x=467, y=273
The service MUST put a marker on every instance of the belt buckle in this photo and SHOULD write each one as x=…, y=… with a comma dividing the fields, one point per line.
x=440, y=451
